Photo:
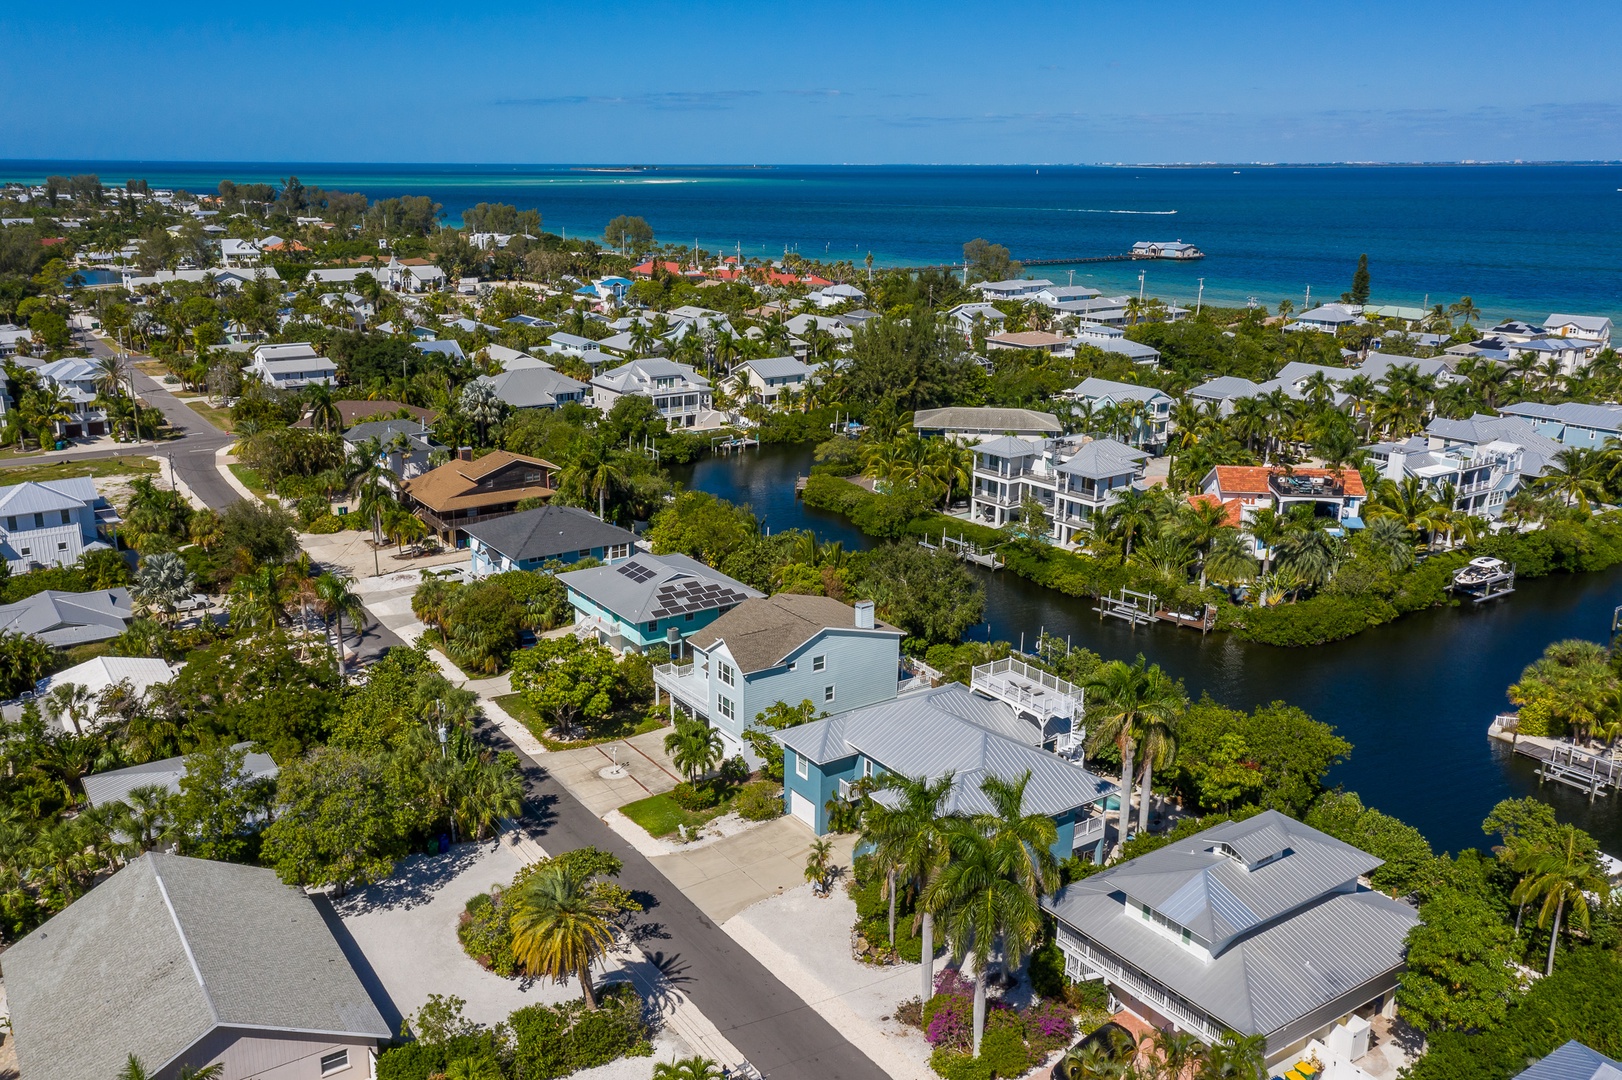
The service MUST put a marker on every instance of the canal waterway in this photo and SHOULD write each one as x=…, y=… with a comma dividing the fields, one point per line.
x=1414, y=697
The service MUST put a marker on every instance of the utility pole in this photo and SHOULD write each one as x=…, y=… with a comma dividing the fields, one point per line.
x=1199, y=298
x=1140, y=286
x=1308, y=305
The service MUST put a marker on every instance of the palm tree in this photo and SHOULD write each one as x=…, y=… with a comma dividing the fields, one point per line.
x=1410, y=502
x=162, y=582
x=1160, y=729
x=71, y=702
x=594, y=474
x=980, y=902
x=818, y=867
x=1576, y=475
x=689, y=1068
x=1465, y=309
x=259, y=600
x=1123, y=697
x=324, y=414
x=1229, y=560
x=149, y=816
x=561, y=925
x=1391, y=538
x=1267, y=529
x=1235, y=1057
x=695, y=748
x=1201, y=523
x=337, y=600
x=1561, y=874
x=909, y=841
x=1132, y=512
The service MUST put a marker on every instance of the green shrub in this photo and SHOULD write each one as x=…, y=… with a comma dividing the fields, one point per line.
x=486, y=935
x=694, y=799
x=952, y=1065
x=1002, y=1047
x=759, y=801
x=1047, y=971
x=325, y=524
x=553, y=1041
x=420, y=1060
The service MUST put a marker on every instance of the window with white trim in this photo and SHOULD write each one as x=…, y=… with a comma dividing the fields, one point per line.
x=802, y=768
x=819, y=663
x=724, y=706
x=726, y=673
x=335, y=1062
x=827, y=693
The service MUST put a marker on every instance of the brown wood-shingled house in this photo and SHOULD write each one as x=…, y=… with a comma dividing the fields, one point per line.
x=462, y=492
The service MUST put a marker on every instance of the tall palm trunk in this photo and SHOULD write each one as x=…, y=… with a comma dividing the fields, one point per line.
x=1125, y=811
x=980, y=1007
x=1148, y=792
x=1554, y=935
x=927, y=959
x=892, y=907
x=585, y=987
x=1520, y=914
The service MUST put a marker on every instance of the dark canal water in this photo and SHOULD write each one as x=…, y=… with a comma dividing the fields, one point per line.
x=1414, y=697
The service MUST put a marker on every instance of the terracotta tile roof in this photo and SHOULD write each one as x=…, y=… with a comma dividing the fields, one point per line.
x=456, y=485
x=1234, y=507
x=1252, y=479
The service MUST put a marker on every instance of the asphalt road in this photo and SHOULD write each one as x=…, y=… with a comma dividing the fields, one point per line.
x=778, y=1032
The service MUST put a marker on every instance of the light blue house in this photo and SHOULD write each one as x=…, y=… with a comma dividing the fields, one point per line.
x=1152, y=425
x=784, y=648
x=1571, y=423
x=929, y=733
x=532, y=538
x=651, y=600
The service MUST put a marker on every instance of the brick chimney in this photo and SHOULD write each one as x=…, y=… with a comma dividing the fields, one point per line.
x=464, y=453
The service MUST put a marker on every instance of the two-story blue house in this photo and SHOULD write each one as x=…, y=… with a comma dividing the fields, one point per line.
x=1571, y=423
x=651, y=600
x=929, y=733
x=785, y=648
x=530, y=539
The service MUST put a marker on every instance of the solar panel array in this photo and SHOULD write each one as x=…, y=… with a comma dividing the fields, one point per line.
x=682, y=597
x=636, y=571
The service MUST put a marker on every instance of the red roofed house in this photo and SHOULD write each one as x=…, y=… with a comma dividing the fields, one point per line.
x=1336, y=494
x=1235, y=509
x=645, y=269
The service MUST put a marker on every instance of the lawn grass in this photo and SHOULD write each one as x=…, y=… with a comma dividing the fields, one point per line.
x=659, y=815
x=219, y=418
x=516, y=707
x=251, y=480
x=61, y=470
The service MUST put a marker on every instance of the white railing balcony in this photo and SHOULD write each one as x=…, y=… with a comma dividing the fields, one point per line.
x=1089, y=831
x=1028, y=689
x=995, y=499
x=1147, y=990
x=685, y=683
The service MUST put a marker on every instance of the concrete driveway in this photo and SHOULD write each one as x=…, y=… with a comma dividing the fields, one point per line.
x=736, y=872
x=647, y=769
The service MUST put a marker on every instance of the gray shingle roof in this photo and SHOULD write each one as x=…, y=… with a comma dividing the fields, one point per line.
x=43, y=496
x=646, y=587
x=777, y=367
x=761, y=633
x=1285, y=943
x=1103, y=458
x=548, y=531
x=532, y=387
x=965, y=418
x=1598, y=417
x=1574, y=1061
x=1115, y=391
x=951, y=729
x=167, y=950
x=115, y=784
x=66, y=618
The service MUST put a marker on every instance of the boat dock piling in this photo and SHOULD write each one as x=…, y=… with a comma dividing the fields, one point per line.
x=726, y=443
x=1560, y=760
x=1127, y=606
x=965, y=549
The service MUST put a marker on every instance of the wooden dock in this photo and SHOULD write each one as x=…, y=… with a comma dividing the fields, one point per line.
x=799, y=486
x=965, y=549
x=1137, y=608
x=1561, y=761
x=1204, y=622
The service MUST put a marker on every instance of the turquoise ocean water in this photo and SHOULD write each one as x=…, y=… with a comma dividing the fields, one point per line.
x=1521, y=240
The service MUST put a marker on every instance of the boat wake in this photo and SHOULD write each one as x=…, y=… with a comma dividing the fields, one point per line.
x=1144, y=213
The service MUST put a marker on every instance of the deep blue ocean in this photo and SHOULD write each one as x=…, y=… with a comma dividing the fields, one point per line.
x=1521, y=240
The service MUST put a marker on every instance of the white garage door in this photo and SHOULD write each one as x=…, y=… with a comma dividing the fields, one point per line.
x=802, y=808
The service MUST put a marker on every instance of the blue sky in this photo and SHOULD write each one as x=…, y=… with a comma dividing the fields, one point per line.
x=828, y=82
